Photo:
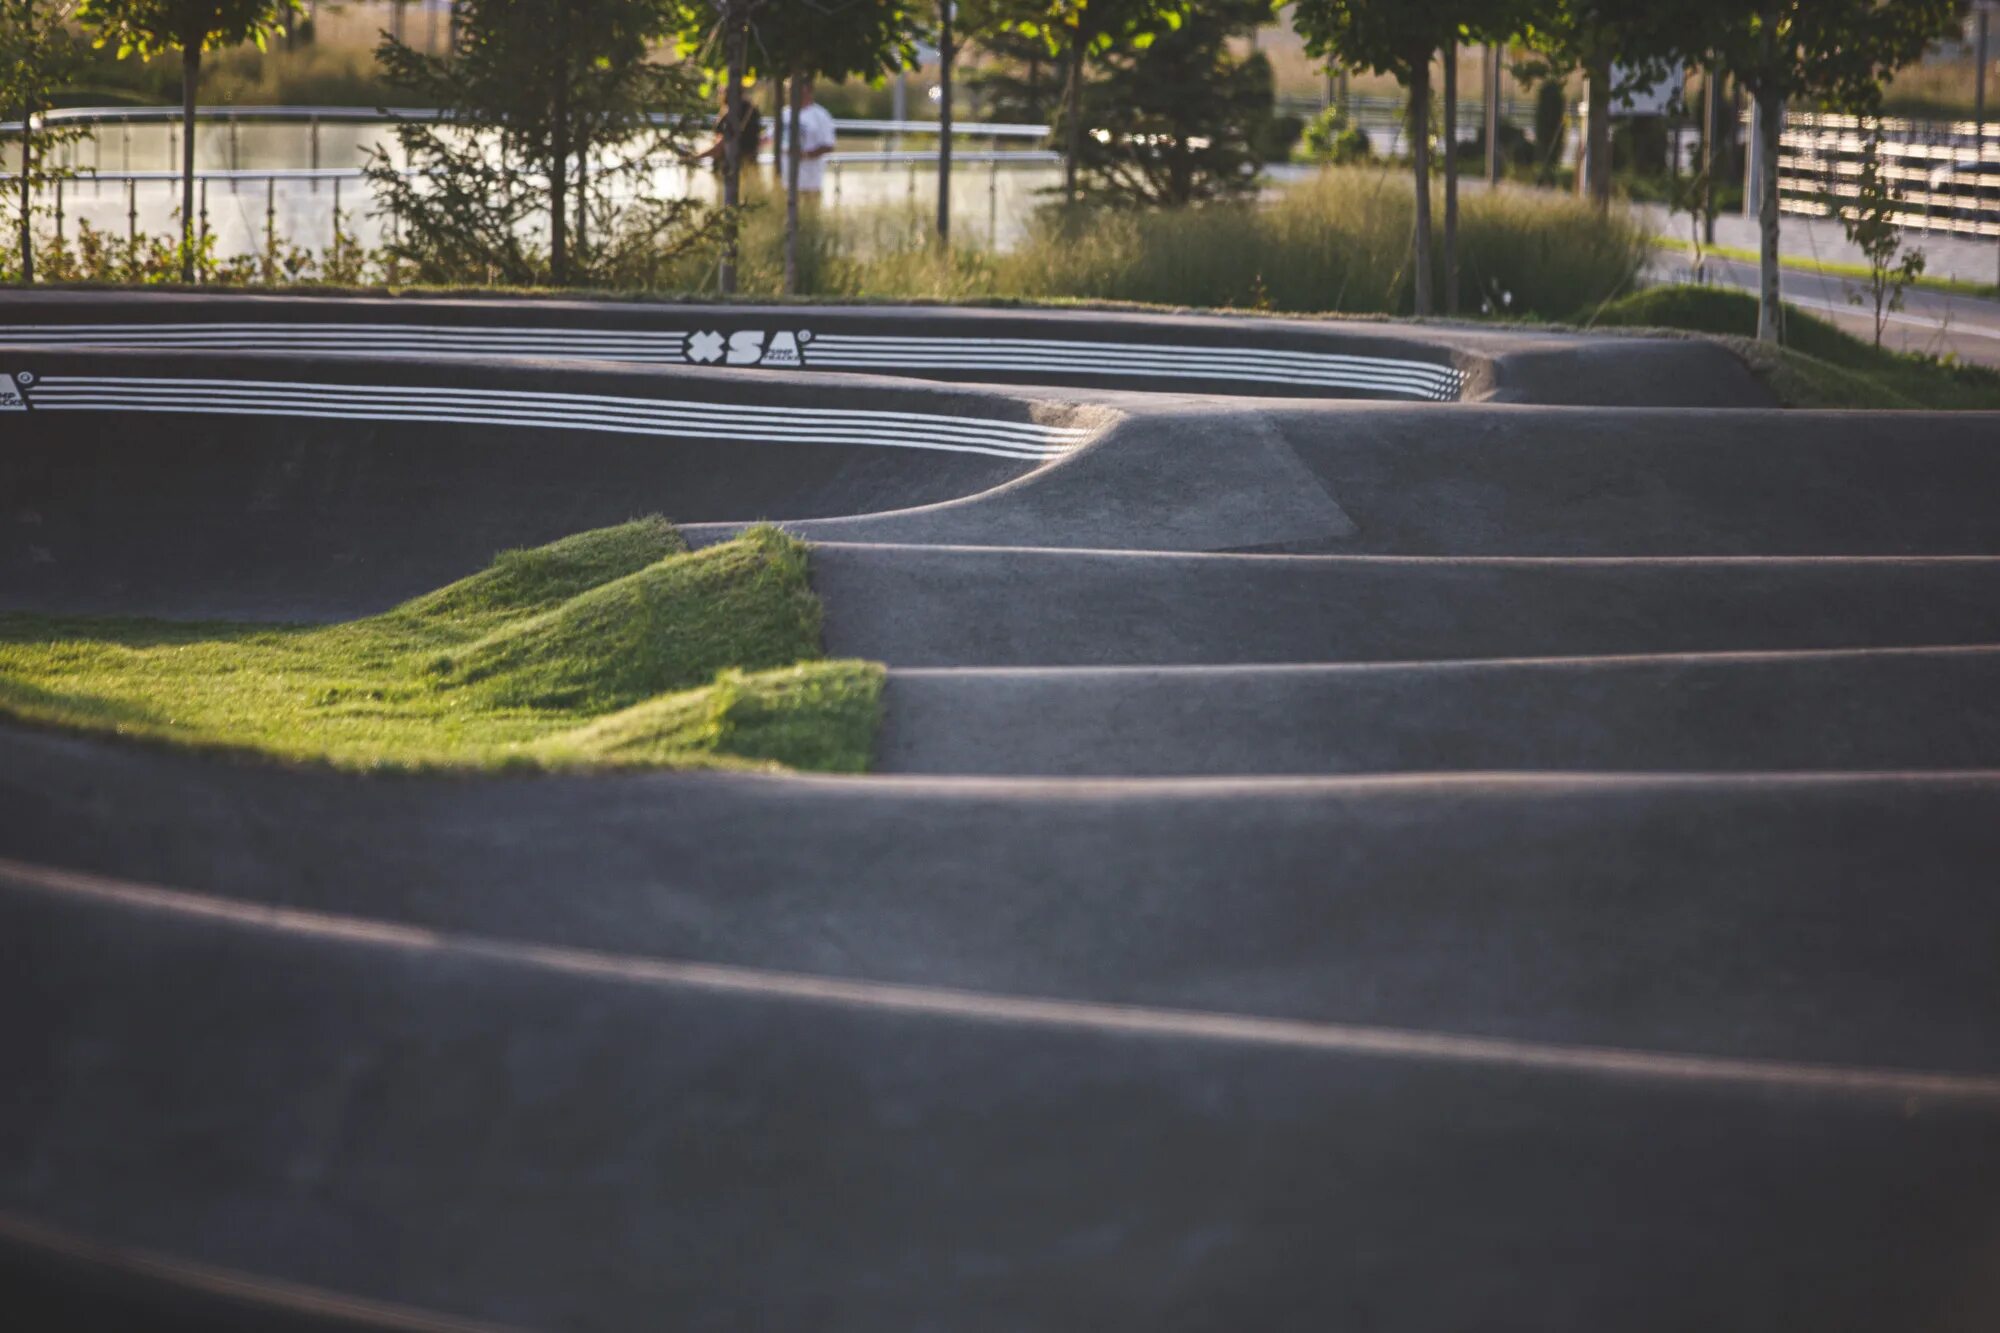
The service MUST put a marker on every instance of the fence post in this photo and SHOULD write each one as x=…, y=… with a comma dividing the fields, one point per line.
x=270, y=230
x=132, y=212
x=59, y=218
x=201, y=236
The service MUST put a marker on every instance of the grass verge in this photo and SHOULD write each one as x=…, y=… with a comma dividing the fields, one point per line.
x=617, y=647
x=1821, y=365
x=1829, y=267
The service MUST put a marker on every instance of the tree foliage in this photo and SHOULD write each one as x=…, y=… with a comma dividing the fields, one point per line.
x=1077, y=30
x=1176, y=118
x=551, y=115
x=37, y=58
x=1834, y=53
x=147, y=28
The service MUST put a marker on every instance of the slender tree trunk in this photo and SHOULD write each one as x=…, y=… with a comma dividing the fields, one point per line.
x=582, y=193
x=1594, y=181
x=1490, y=73
x=1451, y=178
x=732, y=149
x=778, y=105
x=792, y=193
x=1770, y=312
x=1711, y=126
x=190, y=85
x=1074, y=116
x=559, y=179
x=26, y=184
x=1420, y=164
x=946, y=54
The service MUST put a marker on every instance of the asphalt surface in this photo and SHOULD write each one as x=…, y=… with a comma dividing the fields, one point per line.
x=1507, y=864
x=1930, y=322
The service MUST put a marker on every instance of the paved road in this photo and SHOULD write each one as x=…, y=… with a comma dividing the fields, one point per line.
x=1390, y=865
x=1931, y=322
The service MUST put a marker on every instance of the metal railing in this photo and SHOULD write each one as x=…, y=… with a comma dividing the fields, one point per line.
x=1947, y=172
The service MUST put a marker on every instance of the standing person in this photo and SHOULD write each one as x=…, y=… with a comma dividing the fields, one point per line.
x=812, y=138
x=749, y=135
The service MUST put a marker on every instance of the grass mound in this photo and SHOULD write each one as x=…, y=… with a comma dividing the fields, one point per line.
x=1821, y=364
x=614, y=647
x=668, y=626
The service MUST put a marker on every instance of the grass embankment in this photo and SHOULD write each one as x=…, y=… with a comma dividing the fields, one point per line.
x=1337, y=243
x=1829, y=268
x=613, y=647
x=1820, y=365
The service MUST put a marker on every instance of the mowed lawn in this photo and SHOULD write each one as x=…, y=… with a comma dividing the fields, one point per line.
x=612, y=647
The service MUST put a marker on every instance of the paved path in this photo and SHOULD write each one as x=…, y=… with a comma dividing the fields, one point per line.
x=1393, y=865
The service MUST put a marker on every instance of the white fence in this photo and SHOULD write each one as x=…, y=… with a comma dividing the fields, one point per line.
x=1948, y=172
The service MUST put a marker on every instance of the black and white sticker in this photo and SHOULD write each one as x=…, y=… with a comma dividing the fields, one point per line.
x=14, y=391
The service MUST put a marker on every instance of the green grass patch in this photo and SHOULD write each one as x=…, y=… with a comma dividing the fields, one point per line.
x=614, y=647
x=1829, y=267
x=1820, y=365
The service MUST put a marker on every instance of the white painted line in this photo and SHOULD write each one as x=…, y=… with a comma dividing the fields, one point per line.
x=1251, y=365
x=579, y=412
x=247, y=1288
x=1056, y=1014
x=1028, y=430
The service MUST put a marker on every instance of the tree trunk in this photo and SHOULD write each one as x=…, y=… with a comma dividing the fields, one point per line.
x=732, y=154
x=778, y=105
x=27, y=192
x=1420, y=164
x=559, y=179
x=190, y=84
x=1450, y=137
x=1491, y=77
x=1074, y=116
x=792, y=193
x=946, y=54
x=583, y=193
x=1594, y=181
x=1770, y=312
x=1711, y=126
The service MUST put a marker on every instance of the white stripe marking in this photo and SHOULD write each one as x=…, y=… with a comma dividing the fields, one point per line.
x=1029, y=1011
x=891, y=352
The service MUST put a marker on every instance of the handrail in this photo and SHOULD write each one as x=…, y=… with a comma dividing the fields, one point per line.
x=114, y=115
x=86, y=175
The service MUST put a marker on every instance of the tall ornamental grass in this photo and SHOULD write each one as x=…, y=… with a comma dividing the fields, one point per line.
x=1338, y=242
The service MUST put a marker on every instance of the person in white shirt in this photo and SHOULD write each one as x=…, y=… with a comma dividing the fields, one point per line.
x=811, y=137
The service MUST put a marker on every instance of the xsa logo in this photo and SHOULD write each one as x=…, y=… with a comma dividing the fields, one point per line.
x=14, y=392
x=747, y=347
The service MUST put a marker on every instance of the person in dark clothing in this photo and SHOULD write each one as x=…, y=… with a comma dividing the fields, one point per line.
x=749, y=134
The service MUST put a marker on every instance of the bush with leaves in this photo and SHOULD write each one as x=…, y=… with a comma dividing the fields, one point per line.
x=1332, y=137
x=1176, y=115
x=1871, y=216
x=552, y=116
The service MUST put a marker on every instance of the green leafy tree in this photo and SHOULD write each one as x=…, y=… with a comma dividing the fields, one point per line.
x=1620, y=45
x=547, y=111
x=1177, y=119
x=1400, y=38
x=147, y=28
x=37, y=57
x=828, y=39
x=718, y=33
x=1077, y=30
x=1835, y=53
x=1021, y=82
x=1871, y=217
